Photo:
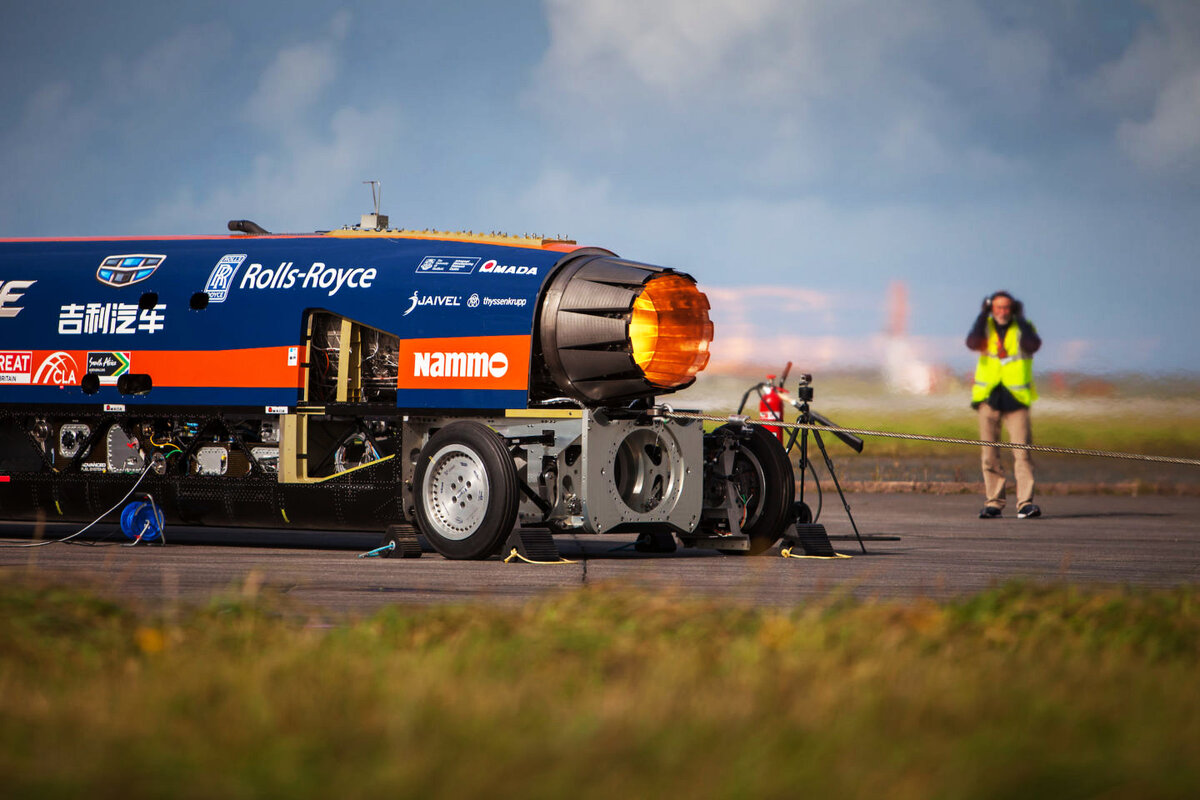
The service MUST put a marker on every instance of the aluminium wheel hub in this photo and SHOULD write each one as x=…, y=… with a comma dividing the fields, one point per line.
x=456, y=492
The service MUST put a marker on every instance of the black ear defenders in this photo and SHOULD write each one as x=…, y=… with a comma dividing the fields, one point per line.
x=1017, y=306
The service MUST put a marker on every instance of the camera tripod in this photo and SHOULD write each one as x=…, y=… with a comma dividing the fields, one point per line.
x=802, y=403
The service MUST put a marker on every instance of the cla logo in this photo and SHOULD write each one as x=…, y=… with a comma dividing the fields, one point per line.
x=58, y=369
x=220, y=280
x=430, y=300
x=11, y=292
x=128, y=269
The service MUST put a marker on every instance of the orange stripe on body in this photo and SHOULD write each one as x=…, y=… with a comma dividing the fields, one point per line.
x=248, y=368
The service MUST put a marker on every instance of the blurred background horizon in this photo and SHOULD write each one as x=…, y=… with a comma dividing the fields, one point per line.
x=846, y=179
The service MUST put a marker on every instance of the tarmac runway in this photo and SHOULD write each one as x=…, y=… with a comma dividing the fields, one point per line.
x=943, y=550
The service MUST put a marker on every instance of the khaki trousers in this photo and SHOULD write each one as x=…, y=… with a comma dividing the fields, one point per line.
x=1019, y=432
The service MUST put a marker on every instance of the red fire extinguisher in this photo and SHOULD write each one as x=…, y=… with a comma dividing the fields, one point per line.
x=770, y=408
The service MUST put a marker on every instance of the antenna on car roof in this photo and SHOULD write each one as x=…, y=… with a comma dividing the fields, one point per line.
x=376, y=221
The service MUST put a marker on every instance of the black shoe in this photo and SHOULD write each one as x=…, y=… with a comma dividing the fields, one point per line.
x=989, y=512
x=1028, y=510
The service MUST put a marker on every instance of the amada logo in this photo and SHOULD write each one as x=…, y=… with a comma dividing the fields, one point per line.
x=59, y=369
x=418, y=299
x=496, y=268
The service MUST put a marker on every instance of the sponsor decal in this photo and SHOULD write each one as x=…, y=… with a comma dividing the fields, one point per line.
x=220, y=280
x=124, y=318
x=473, y=301
x=128, y=269
x=293, y=356
x=95, y=466
x=109, y=366
x=419, y=299
x=460, y=365
x=519, y=302
x=277, y=409
x=496, y=268
x=448, y=265
x=116, y=408
x=466, y=362
x=317, y=276
x=15, y=367
x=58, y=369
x=11, y=292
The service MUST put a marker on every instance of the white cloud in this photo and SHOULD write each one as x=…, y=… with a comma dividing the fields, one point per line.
x=292, y=85
x=171, y=65
x=1170, y=138
x=311, y=160
x=1155, y=88
x=297, y=78
x=779, y=92
x=295, y=183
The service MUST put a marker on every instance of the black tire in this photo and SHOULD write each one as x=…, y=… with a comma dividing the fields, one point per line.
x=465, y=489
x=763, y=472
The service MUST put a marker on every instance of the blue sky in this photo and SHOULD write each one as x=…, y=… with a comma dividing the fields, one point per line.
x=796, y=156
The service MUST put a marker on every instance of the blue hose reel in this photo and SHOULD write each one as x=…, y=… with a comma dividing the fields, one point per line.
x=143, y=519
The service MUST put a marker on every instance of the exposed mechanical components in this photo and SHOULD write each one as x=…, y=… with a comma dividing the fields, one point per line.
x=628, y=471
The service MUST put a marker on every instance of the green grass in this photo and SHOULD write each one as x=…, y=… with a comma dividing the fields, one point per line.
x=1167, y=436
x=1024, y=691
x=1178, y=436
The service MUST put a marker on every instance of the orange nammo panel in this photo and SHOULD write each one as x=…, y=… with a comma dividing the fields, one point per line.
x=465, y=362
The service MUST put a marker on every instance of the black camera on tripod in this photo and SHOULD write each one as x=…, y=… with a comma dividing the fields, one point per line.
x=804, y=391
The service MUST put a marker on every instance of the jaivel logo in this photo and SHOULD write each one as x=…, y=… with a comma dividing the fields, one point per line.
x=220, y=280
x=431, y=300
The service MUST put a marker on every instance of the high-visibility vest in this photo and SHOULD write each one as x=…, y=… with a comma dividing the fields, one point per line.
x=1015, y=370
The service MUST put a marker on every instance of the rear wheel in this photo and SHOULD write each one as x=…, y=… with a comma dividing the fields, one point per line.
x=766, y=486
x=466, y=491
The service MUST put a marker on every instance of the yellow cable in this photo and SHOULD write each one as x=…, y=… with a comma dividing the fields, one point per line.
x=787, y=553
x=515, y=554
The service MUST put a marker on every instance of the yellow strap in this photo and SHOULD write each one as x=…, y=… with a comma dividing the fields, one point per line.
x=515, y=554
x=787, y=553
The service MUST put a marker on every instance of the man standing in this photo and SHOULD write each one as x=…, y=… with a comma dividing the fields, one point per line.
x=1003, y=393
